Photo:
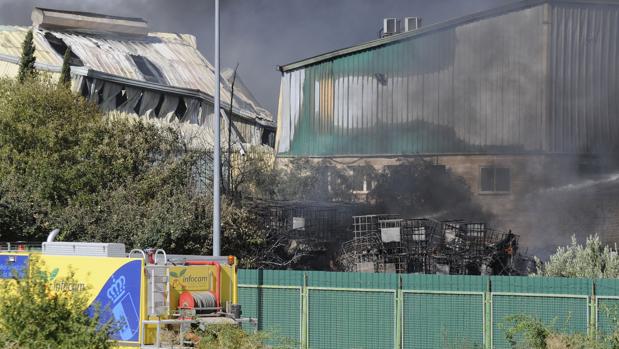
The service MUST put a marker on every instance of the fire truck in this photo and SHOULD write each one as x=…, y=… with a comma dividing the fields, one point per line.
x=146, y=292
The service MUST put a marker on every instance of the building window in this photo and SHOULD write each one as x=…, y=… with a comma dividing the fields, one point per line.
x=361, y=182
x=495, y=180
x=268, y=138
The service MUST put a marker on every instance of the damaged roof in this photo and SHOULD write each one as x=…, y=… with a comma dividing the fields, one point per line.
x=160, y=61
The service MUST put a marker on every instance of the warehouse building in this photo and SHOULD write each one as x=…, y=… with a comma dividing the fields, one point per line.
x=121, y=66
x=513, y=99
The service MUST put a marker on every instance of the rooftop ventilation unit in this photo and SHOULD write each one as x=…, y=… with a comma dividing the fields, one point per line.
x=412, y=23
x=86, y=22
x=391, y=26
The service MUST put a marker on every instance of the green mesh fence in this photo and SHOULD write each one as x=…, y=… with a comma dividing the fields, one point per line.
x=563, y=313
x=607, y=314
x=248, y=298
x=440, y=320
x=366, y=310
x=607, y=297
x=343, y=319
x=278, y=310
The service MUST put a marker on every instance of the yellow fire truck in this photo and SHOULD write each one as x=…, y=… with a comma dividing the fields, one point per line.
x=147, y=292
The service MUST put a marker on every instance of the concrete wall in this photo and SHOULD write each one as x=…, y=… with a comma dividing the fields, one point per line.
x=551, y=196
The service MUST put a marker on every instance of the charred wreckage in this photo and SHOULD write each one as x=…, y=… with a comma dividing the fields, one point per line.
x=320, y=236
x=389, y=243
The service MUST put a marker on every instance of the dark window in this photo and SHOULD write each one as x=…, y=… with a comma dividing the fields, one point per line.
x=181, y=109
x=86, y=83
x=121, y=98
x=495, y=180
x=361, y=181
x=268, y=138
x=148, y=69
x=438, y=170
x=159, y=104
x=138, y=105
x=358, y=180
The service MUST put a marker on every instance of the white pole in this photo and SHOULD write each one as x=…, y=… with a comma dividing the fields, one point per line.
x=217, y=152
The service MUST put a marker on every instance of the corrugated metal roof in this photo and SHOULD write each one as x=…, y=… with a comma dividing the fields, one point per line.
x=11, y=39
x=175, y=56
x=435, y=27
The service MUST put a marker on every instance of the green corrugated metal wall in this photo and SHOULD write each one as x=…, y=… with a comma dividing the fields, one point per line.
x=532, y=78
x=443, y=92
x=363, y=310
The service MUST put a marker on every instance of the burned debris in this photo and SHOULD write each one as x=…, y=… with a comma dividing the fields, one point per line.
x=304, y=234
x=320, y=236
x=389, y=243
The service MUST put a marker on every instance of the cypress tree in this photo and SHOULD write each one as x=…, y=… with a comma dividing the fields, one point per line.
x=65, y=73
x=26, y=63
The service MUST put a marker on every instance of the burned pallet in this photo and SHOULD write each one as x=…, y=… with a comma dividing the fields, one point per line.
x=388, y=243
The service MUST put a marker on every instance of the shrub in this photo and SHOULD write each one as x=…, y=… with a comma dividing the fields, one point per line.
x=528, y=332
x=593, y=260
x=32, y=316
x=234, y=337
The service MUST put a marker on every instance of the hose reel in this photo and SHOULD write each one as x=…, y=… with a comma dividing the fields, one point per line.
x=200, y=301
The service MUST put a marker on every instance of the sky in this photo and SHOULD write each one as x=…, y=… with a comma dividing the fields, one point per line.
x=262, y=34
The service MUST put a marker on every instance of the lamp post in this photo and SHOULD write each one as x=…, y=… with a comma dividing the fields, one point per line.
x=217, y=151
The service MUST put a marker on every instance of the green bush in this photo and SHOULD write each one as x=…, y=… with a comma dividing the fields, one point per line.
x=63, y=164
x=234, y=337
x=593, y=260
x=59, y=150
x=526, y=332
x=32, y=316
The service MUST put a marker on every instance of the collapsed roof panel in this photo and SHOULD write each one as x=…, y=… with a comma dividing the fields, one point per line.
x=164, y=61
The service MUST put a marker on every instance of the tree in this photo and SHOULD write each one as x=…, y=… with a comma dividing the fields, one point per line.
x=58, y=149
x=593, y=260
x=27, y=60
x=63, y=165
x=418, y=188
x=308, y=180
x=65, y=73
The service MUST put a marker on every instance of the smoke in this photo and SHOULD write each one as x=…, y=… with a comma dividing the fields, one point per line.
x=261, y=34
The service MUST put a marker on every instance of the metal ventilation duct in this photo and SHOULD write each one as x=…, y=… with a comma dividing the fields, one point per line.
x=85, y=22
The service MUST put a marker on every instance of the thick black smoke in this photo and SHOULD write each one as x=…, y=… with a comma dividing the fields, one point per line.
x=260, y=34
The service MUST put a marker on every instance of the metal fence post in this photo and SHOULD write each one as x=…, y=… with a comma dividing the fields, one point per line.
x=304, y=314
x=593, y=311
x=399, y=300
x=488, y=316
